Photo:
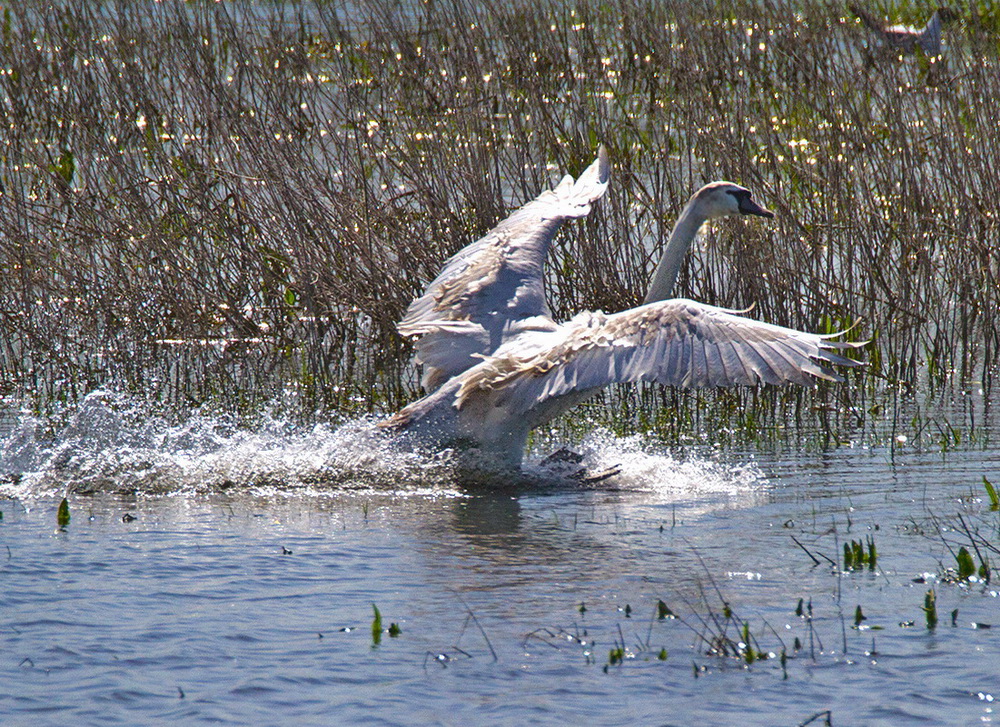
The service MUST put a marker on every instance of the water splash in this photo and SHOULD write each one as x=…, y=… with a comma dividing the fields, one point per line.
x=114, y=444
x=647, y=466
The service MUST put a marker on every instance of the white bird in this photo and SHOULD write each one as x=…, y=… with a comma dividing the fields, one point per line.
x=491, y=407
x=906, y=38
x=492, y=290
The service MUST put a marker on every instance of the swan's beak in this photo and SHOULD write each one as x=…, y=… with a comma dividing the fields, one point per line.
x=749, y=207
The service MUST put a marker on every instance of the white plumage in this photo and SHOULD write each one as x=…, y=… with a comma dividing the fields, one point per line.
x=539, y=374
x=492, y=290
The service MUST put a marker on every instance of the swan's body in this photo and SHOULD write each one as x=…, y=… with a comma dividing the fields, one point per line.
x=539, y=375
x=906, y=38
x=492, y=290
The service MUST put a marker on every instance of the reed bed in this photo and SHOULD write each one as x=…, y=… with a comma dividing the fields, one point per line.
x=211, y=203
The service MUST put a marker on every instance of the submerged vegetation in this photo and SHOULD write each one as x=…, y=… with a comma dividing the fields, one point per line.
x=206, y=203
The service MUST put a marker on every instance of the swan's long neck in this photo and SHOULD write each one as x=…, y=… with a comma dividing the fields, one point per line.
x=685, y=230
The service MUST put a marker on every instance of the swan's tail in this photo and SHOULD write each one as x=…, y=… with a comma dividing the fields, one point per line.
x=431, y=410
x=397, y=422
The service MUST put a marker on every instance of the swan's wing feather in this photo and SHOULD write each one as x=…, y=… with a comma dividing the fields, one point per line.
x=677, y=342
x=756, y=367
x=446, y=342
x=498, y=279
x=736, y=368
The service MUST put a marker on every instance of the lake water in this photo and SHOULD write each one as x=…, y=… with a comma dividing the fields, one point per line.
x=210, y=575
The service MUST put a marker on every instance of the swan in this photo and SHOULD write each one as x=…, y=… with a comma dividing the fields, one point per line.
x=489, y=409
x=906, y=38
x=492, y=290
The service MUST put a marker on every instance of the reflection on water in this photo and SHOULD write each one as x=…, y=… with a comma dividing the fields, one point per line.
x=487, y=514
x=241, y=582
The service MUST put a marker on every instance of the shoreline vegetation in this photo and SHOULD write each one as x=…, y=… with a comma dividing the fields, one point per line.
x=206, y=204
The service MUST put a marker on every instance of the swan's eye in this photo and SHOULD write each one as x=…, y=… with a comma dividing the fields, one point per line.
x=741, y=196
x=748, y=206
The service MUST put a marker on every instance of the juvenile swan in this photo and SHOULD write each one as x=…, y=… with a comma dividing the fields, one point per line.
x=538, y=375
x=906, y=38
x=491, y=290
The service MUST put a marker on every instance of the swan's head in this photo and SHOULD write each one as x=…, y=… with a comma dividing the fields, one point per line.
x=725, y=199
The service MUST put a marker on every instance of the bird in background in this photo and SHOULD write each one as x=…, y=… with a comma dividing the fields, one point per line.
x=906, y=38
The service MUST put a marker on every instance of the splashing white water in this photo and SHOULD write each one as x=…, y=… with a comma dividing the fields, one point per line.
x=647, y=466
x=112, y=444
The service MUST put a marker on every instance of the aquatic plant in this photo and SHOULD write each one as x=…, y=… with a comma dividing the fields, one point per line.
x=930, y=609
x=965, y=540
x=444, y=658
x=616, y=655
x=991, y=492
x=559, y=637
x=857, y=556
x=663, y=611
x=966, y=565
x=750, y=655
x=376, y=626
x=62, y=514
x=394, y=629
x=826, y=715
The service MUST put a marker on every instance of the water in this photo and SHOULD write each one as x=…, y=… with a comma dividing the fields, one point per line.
x=219, y=576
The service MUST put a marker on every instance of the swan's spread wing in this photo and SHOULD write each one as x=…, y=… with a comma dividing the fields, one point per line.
x=539, y=375
x=677, y=342
x=498, y=279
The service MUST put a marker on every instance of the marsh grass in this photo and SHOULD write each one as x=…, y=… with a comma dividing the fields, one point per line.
x=376, y=626
x=930, y=609
x=62, y=514
x=719, y=634
x=210, y=203
x=991, y=493
x=859, y=555
x=972, y=543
